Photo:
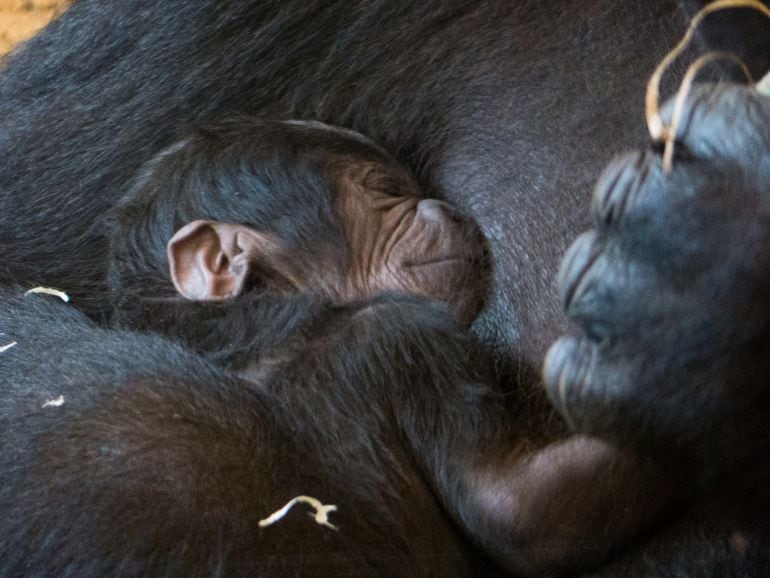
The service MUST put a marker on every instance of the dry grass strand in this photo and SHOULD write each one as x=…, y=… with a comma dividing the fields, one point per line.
x=7, y=346
x=58, y=402
x=671, y=131
x=321, y=515
x=49, y=291
x=658, y=130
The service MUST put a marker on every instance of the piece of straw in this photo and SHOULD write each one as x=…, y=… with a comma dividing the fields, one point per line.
x=652, y=108
x=321, y=515
x=683, y=93
x=58, y=402
x=49, y=291
x=4, y=348
x=659, y=131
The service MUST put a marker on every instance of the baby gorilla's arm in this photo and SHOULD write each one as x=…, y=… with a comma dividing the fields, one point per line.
x=564, y=508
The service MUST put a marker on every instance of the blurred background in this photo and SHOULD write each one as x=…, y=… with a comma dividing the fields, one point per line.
x=20, y=19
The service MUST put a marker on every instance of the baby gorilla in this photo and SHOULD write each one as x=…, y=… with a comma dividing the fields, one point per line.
x=287, y=208
x=314, y=300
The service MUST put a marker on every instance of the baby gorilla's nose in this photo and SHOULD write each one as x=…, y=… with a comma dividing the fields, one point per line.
x=438, y=212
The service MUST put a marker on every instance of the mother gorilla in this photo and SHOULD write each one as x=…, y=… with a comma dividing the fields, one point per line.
x=507, y=109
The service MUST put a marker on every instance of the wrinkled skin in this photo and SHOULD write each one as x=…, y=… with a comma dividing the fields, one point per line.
x=671, y=293
x=388, y=240
x=291, y=208
x=394, y=240
x=402, y=243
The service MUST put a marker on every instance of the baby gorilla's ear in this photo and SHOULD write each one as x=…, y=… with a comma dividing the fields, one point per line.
x=210, y=261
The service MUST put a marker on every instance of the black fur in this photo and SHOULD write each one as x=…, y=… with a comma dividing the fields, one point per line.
x=161, y=463
x=506, y=108
x=393, y=382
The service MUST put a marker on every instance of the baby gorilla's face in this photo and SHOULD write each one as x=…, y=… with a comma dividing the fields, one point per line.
x=401, y=243
x=360, y=230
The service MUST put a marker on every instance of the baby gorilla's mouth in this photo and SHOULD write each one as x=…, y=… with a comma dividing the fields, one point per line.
x=455, y=277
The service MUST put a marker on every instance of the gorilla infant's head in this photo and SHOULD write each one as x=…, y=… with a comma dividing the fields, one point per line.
x=281, y=209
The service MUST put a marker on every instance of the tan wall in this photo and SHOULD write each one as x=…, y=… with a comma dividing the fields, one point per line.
x=20, y=19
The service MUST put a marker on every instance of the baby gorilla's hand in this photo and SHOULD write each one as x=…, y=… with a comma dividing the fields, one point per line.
x=671, y=293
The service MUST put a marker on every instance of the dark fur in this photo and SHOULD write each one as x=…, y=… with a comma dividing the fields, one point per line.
x=392, y=382
x=506, y=108
x=163, y=462
x=159, y=462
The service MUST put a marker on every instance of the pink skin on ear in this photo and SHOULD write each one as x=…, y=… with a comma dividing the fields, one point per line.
x=210, y=261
